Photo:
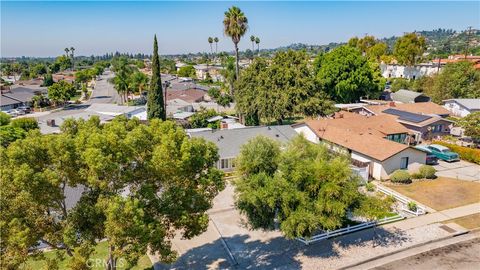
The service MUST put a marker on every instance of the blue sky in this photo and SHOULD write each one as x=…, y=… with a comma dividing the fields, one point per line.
x=45, y=28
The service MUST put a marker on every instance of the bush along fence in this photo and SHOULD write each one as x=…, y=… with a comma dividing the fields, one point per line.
x=349, y=229
x=408, y=205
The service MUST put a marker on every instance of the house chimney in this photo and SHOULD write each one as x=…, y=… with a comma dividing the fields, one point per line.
x=223, y=125
x=392, y=104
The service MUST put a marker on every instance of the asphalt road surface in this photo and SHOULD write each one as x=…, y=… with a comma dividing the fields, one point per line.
x=104, y=91
x=459, y=256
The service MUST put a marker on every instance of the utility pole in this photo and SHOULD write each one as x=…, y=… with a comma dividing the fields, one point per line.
x=468, y=41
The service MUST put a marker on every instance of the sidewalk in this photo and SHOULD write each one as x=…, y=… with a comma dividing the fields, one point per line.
x=436, y=217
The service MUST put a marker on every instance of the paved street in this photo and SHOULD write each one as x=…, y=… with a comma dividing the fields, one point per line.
x=464, y=255
x=461, y=170
x=104, y=91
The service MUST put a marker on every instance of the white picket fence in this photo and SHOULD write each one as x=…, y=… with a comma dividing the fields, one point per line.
x=421, y=210
x=349, y=229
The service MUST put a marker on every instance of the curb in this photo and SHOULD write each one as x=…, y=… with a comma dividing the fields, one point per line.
x=403, y=249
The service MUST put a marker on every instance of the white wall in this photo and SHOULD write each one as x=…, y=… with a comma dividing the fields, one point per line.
x=456, y=109
x=400, y=71
x=415, y=159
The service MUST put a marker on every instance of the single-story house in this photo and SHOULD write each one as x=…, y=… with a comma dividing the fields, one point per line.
x=230, y=141
x=19, y=96
x=462, y=106
x=407, y=96
x=115, y=110
x=188, y=95
x=378, y=145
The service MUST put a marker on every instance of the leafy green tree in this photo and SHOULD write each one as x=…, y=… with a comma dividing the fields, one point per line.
x=25, y=123
x=4, y=119
x=471, y=124
x=302, y=189
x=235, y=26
x=155, y=103
x=138, y=82
x=401, y=83
x=9, y=134
x=61, y=92
x=187, y=71
x=347, y=76
x=63, y=62
x=409, y=49
x=455, y=80
x=170, y=180
x=123, y=71
x=372, y=48
x=283, y=88
x=48, y=80
x=199, y=119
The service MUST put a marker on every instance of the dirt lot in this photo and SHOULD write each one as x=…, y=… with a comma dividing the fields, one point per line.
x=464, y=255
x=468, y=222
x=441, y=193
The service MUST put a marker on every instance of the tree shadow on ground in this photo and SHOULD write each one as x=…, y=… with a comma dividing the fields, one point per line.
x=278, y=252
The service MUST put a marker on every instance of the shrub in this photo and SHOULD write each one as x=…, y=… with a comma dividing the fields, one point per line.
x=468, y=154
x=412, y=206
x=427, y=171
x=4, y=119
x=401, y=176
x=26, y=123
x=370, y=187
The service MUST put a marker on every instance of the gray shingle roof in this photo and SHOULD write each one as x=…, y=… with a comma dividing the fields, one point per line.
x=469, y=103
x=405, y=96
x=229, y=141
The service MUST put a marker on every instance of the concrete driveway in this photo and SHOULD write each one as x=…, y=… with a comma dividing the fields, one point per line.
x=460, y=170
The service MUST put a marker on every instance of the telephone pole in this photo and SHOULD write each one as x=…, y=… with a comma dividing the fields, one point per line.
x=468, y=41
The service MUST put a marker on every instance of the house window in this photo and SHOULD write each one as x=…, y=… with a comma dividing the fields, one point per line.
x=224, y=164
x=404, y=163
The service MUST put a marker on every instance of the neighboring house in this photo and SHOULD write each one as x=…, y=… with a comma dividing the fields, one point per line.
x=188, y=95
x=19, y=96
x=408, y=72
x=230, y=141
x=115, y=110
x=461, y=106
x=407, y=96
x=378, y=145
x=425, y=120
x=214, y=71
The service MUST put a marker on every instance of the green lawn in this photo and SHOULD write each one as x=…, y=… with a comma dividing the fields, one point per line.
x=100, y=253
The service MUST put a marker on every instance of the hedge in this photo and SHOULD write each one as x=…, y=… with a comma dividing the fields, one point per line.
x=401, y=176
x=425, y=172
x=466, y=153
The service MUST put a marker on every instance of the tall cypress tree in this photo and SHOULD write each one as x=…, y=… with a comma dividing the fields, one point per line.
x=155, y=105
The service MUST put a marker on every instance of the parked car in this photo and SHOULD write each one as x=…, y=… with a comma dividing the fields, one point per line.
x=12, y=112
x=26, y=109
x=466, y=141
x=431, y=158
x=443, y=153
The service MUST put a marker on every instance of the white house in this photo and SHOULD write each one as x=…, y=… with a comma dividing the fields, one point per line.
x=462, y=106
x=407, y=72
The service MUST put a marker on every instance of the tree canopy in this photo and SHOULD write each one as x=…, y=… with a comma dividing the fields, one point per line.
x=303, y=188
x=471, y=124
x=409, y=49
x=155, y=104
x=61, y=92
x=283, y=88
x=346, y=75
x=140, y=186
x=455, y=80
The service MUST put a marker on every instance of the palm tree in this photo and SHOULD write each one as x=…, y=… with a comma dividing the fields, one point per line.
x=210, y=41
x=235, y=26
x=257, y=41
x=252, y=39
x=72, y=51
x=216, y=44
